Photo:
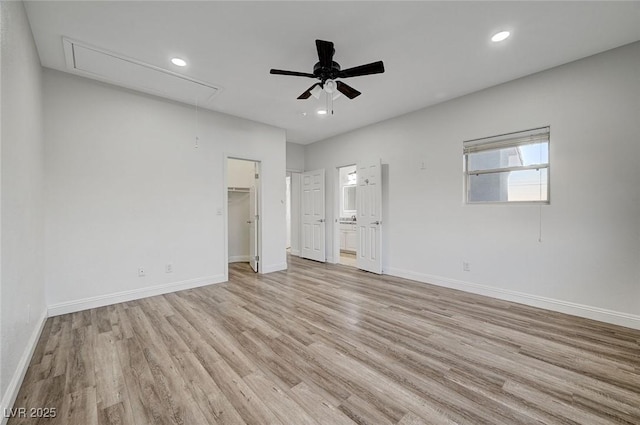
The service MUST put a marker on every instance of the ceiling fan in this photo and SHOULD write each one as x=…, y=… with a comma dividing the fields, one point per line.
x=327, y=71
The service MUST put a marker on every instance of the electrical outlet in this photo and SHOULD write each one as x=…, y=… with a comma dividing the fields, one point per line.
x=141, y=272
x=466, y=266
x=168, y=268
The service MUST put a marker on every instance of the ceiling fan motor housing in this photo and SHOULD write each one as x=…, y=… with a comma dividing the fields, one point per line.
x=324, y=73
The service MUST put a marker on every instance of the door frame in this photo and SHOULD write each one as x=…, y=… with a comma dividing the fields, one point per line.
x=225, y=207
x=296, y=199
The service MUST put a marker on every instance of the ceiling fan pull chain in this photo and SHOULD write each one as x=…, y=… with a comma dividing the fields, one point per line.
x=330, y=95
x=328, y=91
x=327, y=101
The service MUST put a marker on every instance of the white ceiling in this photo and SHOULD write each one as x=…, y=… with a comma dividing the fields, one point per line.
x=433, y=51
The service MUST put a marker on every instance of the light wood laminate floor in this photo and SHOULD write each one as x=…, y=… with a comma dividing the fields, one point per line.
x=329, y=344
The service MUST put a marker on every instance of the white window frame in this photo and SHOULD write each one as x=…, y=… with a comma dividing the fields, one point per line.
x=507, y=140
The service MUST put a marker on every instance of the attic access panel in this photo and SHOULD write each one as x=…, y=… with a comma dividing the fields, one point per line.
x=98, y=64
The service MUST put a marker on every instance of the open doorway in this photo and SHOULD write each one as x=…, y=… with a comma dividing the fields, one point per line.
x=287, y=209
x=243, y=206
x=348, y=213
x=293, y=199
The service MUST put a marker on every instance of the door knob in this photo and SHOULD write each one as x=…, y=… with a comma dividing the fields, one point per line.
x=249, y=221
x=377, y=223
x=321, y=220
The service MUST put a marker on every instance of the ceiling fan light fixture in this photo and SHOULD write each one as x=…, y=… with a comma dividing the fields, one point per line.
x=500, y=36
x=316, y=91
x=330, y=86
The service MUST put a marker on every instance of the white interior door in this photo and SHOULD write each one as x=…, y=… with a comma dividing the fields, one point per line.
x=313, y=215
x=369, y=214
x=253, y=226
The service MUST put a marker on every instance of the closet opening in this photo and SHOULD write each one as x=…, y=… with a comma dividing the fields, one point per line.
x=243, y=212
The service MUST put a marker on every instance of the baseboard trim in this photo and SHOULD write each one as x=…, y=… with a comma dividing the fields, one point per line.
x=134, y=294
x=9, y=397
x=274, y=268
x=575, y=309
x=239, y=259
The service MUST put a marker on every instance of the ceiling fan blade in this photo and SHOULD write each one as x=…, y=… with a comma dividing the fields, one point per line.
x=347, y=90
x=292, y=73
x=307, y=94
x=368, y=69
x=325, y=52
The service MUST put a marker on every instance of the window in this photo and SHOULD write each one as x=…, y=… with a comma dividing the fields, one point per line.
x=512, y=167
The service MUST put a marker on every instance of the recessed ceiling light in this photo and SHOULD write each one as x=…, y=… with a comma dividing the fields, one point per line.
x=178, y=62
x=322, y=112
x=500, y=36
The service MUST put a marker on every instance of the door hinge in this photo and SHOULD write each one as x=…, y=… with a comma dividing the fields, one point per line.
x=257, y=216
x=257, y=258
x=257, y=176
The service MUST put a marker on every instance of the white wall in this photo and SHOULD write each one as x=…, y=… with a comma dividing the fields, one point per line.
x=22, y=303
x=589, y=256
x=127, y=188
x=295, y=157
